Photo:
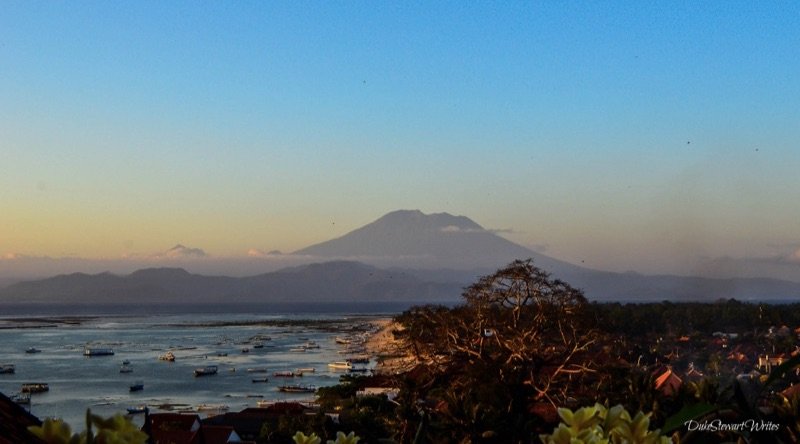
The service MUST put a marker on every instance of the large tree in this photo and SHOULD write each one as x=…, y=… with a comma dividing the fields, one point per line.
x=519, y=341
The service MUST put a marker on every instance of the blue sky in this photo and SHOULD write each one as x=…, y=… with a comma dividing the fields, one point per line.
x=629, y=135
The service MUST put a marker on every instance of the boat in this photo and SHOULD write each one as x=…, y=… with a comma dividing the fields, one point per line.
x=340, y=365
x=342, y=341
x=222, y=354
x=126, y=362
x=98, y=352
x=260, y=380
x=245, y=350
x=7, y=369
x=22, y=398
x=125, y=368
x=33, y=350
x=284, y=374
x=358, y=360
x=206, y=371
x=137, y=386
x=296, y=388
x=357, y=369
x=297, y=349
x=257, y=370
x=258, y=345
x=212, y=408
x=137, y=409
x=34, y=387
x=305, y=370
x=168, y=356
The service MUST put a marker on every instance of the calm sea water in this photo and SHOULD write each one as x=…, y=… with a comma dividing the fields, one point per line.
x=197, y=340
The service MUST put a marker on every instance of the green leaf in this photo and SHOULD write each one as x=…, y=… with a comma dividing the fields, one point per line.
x=685, y=414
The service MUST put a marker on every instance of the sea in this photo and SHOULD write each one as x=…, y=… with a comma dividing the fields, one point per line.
x=199, y=336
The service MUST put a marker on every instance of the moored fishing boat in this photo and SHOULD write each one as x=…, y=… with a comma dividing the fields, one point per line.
x=297, y=388
x=98, y=352
x=284, y=374
x=23, y=398
x=35, y=387
x=306, y=370
x=260, y=380
x=340, y=365
x=257, y=370
x=137, y=386
x=206, y=371
x=7, y=369
x=137, y=409
x=33, y=350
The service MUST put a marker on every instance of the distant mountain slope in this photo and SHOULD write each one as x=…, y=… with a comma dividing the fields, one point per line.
x=412, y=239
x=328, y=282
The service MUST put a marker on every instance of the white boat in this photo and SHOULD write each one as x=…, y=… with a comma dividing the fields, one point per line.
x=168, y=356
x=206, y=371
x=7, y=369
x=137, y=409
x=342, y=341
x=257, y=370
x=23, y=398
x=98, y=352
x=297, y=349
x=340, y=365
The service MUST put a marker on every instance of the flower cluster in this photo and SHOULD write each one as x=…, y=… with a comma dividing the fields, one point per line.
x=599, y=425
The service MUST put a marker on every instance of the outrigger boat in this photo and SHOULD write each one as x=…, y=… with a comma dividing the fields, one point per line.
x=35, y=387
x=296, y=388
x=98, y=352
x=340, y=365
x=137, y=409
x=206, y=371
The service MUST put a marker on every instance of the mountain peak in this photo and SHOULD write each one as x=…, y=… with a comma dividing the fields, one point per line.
x=422, y=240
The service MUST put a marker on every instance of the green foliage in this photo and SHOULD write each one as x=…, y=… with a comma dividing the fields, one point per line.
x=114, y=430
x=598, y=425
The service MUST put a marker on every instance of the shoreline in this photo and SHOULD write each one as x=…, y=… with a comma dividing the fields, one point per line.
x=391, y=358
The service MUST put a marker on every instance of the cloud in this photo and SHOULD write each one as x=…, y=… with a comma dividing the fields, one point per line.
x=457, y=229
x=182, y=252
x=255, y=252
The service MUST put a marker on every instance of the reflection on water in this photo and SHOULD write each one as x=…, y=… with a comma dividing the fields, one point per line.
x=77, y=382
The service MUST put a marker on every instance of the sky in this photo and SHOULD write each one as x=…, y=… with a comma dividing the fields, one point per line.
x=659, y=137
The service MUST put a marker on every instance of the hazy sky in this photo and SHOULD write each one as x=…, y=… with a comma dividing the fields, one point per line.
x=628, y=135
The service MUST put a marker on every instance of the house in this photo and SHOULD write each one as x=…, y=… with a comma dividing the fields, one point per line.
x=14, y=423
x=766, y=363
x=179, y=428
x=173, y=428
x=210, y=434
x=668, y=383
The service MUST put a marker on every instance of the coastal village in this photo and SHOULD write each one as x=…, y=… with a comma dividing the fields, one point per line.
x=672, y=362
